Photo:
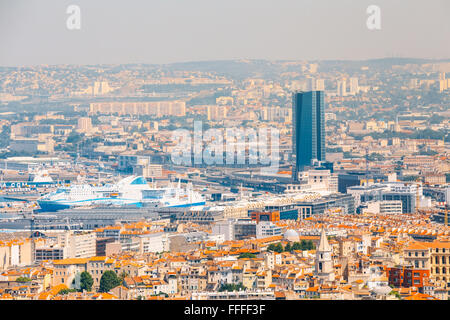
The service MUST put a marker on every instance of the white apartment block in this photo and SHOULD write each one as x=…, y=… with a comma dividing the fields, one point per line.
x=79, y=245
x=384, y=207
x=156, y=108
x=266, y=229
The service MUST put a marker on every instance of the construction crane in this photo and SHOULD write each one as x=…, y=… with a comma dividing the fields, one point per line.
x=417, y=195
x=367, y=166
x=446, y=215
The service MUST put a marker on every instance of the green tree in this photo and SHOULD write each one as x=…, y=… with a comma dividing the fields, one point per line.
x=74, y=137
x=288, y=247
x=396, y=294
x=160, y=294
x=86, y=281
x=278, y=248
x=303, y=245
x=296, y=246
x=310, y=245
x=245, y=255
x=108, y=281
x=375, y=157
x=231, y=287
x=66, y=291
x=23, y=279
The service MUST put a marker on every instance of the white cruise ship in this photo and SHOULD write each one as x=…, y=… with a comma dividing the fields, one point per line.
x=131, y=191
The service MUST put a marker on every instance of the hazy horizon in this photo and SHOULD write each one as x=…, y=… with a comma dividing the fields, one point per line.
x=222, y=60
x=34, y=32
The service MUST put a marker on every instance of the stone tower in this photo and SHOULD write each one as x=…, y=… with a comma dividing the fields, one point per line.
x=324, y=268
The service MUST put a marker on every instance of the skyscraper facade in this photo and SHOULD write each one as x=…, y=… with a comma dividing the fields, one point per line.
x=342, y=88
x=308, y=136
x=354, y=86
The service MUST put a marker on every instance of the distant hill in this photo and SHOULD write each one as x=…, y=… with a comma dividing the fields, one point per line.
x=242, y=69
x=239, y=69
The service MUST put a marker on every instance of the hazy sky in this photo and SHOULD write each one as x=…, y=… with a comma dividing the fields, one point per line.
x=164, y=31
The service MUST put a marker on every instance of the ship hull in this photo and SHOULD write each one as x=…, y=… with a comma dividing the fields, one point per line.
x=187, y=205
x=52, y=206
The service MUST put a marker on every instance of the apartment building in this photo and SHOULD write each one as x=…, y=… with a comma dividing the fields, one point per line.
x=155, y=108
x=78, y=244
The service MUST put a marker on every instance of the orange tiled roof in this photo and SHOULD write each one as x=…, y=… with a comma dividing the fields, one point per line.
x=70, y=261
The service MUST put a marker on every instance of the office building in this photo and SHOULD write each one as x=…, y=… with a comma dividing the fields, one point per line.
x=216, y=113
x=342, y=88
x=345, y=203
x=84, y=125
x=52, y=252
x=315, y=84
x=382, y=207
x=154, y=108
x=358, y=178
x=265, y=229
x=78, y=244
x=389, y=192
x=308, y=130
x=354, y=86
x=235, y=229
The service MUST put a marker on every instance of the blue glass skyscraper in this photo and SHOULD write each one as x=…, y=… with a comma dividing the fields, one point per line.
x=308, y=136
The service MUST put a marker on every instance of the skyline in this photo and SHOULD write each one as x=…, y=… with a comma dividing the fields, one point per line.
x=425, y=60
x=174, y=32
x=237, y=152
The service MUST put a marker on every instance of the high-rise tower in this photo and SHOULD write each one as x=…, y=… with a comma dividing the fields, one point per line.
x=308, y=136
x=354, y=86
